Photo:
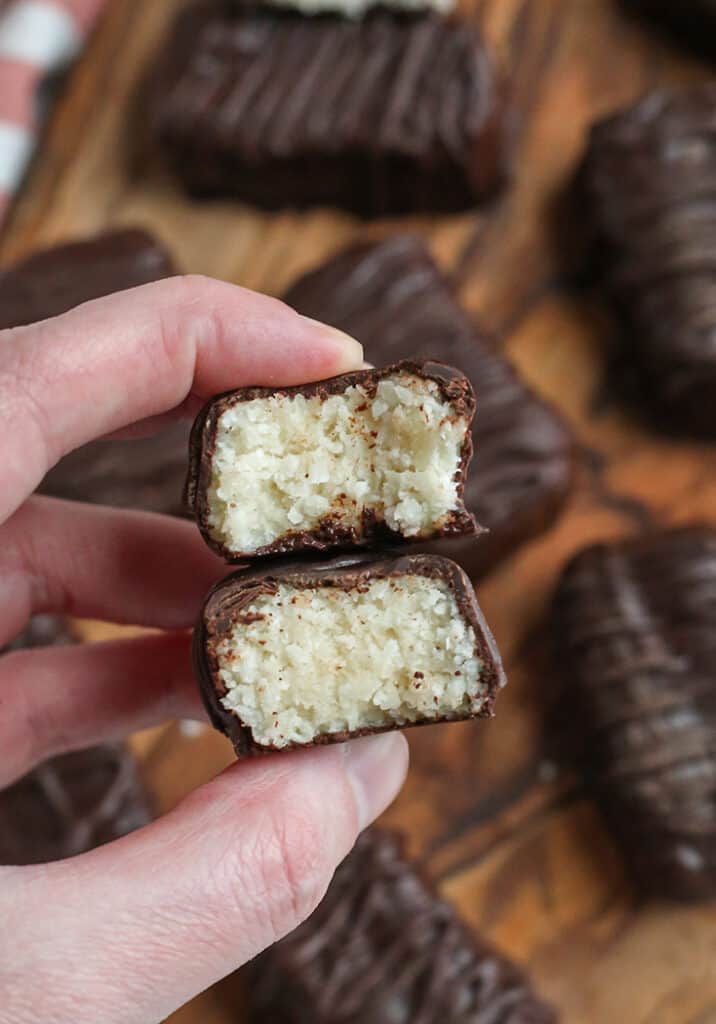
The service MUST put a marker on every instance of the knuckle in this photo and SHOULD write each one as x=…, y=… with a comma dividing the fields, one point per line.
x=294, y=868
x=186, y=289
x=272, y=870
x=188, y=317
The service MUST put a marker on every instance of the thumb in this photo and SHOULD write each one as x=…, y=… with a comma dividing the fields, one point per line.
x=133, y=930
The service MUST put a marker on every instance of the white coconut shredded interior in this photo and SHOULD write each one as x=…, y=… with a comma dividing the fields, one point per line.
x=282, y=464
x=323, y=660
x=357, y=8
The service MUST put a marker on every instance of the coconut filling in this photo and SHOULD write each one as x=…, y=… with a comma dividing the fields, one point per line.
x=283, y=464
x=311, y=662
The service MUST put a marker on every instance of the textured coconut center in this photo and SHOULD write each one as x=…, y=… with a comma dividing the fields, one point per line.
x=323, y=660
x=289, y=464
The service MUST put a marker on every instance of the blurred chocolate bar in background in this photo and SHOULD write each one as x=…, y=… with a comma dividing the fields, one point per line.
x=382, y=948
x=73, y=802
x=144, y=474
x=392, y=297
x=392, y=113
x=635, y=637
x=51, y=281
x=647, y=179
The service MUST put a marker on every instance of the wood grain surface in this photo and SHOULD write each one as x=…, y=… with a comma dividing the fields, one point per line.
x=506, y=830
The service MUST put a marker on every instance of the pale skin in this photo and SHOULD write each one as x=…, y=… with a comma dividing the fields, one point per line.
x=127, y=933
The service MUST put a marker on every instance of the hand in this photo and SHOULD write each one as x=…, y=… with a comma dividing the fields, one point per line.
x=131, y=931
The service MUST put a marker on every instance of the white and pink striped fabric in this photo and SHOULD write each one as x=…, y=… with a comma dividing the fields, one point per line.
x=37, y=37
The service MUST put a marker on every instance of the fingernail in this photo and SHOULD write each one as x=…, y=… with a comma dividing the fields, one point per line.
x=376, y=767
x=350, y=351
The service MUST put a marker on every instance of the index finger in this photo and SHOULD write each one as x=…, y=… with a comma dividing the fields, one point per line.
x=142, y=353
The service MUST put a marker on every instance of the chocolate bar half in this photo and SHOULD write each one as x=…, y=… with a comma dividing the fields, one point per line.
x=391, y=113
x=366, y=456
x=647, y=177
x=393, y=298
x=73, y=802
x=146, y=474
x=382, y=948
x=306, y=653
x=635, y=627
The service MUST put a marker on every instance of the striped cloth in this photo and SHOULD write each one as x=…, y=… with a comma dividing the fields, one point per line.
x=37, y=38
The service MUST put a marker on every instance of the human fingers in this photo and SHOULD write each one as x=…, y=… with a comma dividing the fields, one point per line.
x=88, y=561
x=55, y=699
x=139, y=354
x=233, y=868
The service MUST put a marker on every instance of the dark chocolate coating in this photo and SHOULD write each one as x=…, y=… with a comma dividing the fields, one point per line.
x=647, y=177
x=391, y=296
x=690, y=21
x=386, y=114
x=146, y=474
x=52, y=281
x=330, y=533
x=382, y=948
x=73, y=802
x=635, y=629
x=224, y=609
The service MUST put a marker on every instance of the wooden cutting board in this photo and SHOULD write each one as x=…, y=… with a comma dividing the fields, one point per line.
x=509, y=835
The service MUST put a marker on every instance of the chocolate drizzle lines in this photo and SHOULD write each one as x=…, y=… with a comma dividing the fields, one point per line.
x=636, y=628
x=391, y=296
x=650, y=176
x=386, y=114
x=73, y=802
x=382, y=948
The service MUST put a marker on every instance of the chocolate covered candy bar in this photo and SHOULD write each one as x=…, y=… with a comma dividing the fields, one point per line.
x=392, y=297
x=372, y=455
x=73, y=802
x=635, y=627
x=52, y=281
x=648, y=177
x=382, y=948
x=145, y=474
x=389, y=114
x=306, y=653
